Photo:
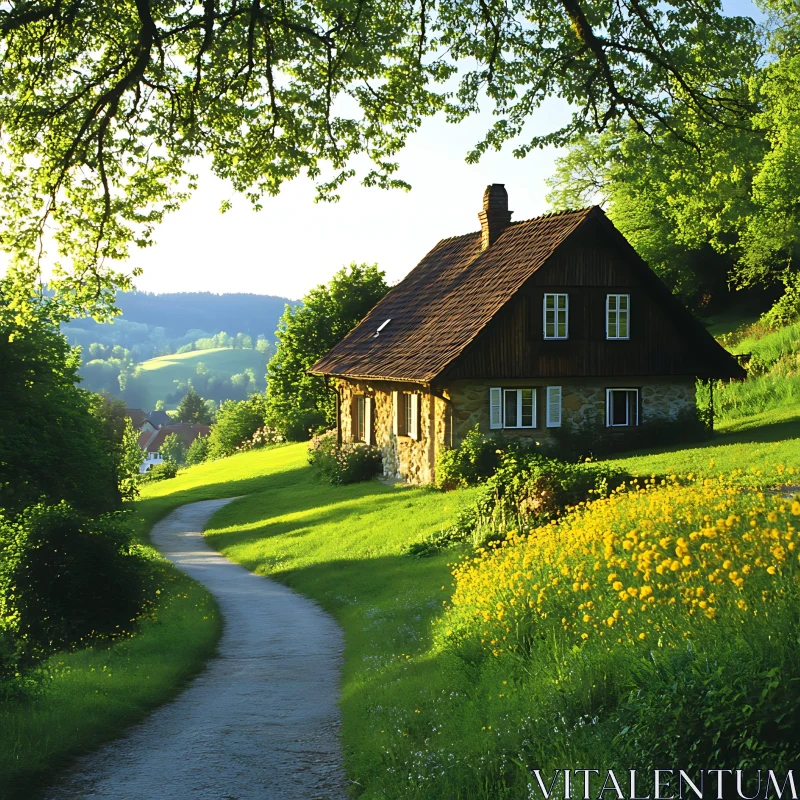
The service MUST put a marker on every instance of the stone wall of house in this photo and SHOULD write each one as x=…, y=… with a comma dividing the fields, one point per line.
x=582, y=403
x=449, y=413
x=403, y=457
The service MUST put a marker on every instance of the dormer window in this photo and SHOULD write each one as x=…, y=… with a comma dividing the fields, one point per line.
x=556, y=316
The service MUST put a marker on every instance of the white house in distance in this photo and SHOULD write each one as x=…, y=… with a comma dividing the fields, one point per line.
x=151, y=441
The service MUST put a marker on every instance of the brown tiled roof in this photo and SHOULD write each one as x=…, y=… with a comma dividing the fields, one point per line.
x=136, y=416
x=446, y=300
x=187, y=432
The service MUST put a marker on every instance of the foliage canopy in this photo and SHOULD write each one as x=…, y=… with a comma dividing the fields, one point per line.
x=105, y=105
x=299, y=403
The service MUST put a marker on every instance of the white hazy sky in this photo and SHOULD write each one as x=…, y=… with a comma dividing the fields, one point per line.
x=293, y=243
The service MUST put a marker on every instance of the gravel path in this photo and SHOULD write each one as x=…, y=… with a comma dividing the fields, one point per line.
x=260, y=722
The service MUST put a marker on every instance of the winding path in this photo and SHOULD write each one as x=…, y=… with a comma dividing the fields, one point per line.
x=260, y=722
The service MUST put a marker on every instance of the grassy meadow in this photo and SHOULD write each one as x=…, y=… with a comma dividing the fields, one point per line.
x=425, y=715
x=598, y=639
x=156, y=376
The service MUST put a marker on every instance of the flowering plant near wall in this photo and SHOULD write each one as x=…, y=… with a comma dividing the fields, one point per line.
x=348, y=463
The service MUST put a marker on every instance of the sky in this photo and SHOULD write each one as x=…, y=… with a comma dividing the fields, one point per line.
x=293, y=243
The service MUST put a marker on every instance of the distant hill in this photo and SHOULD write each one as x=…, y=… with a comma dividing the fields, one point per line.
x=158, y=324
x=180, y=312
x=221, y=374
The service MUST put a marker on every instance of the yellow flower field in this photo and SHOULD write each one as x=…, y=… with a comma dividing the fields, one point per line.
x=648, y=566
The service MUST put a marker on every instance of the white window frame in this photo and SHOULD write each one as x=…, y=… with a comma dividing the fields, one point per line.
x=628, y=424
x=617, y=313
x=552, y=402
x=556, y=310
x=519, y=391
x=406, y=414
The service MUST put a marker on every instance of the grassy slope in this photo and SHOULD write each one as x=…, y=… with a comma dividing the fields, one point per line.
x=158, y=374
x=89, y=696
x=343, y=546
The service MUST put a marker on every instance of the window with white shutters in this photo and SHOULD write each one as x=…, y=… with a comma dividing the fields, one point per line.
x=622, y=408
x=553, y=406
x=519, y=408
x=406, y=414
x=556, y=316
x=618, y=316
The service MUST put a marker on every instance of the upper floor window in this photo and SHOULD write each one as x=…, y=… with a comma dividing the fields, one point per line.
x=618, y=316
x=556, y=312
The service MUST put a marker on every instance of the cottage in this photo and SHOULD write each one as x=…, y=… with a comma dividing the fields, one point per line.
x=152, y=441
x=528, y=327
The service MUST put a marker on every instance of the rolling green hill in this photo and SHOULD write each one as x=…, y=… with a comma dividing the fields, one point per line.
x=155, y=379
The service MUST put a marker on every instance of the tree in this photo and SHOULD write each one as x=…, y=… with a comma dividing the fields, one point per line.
x=100, y=128
x=131, y=459
x=192, y=408
x=236, y=423
x=198, y=451
x=707, y=206
x=173, y=449
x=262, y=345
x=296, y=401
x=52, y=445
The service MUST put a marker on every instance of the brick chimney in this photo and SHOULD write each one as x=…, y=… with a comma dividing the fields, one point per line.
x=495, y=216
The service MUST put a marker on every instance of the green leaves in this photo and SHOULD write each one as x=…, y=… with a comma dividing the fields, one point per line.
x=299, y=403
x=104, y=105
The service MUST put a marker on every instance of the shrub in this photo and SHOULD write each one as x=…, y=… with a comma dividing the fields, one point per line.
x=527, y=489
x=348, y=463
x=658, y=625
x=262, y=438
x=160, y=472
x=474, y=460
x=237, y=423
x=198, y=451
x=65, y=579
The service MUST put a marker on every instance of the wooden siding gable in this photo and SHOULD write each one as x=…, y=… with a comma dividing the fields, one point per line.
x=588, y=267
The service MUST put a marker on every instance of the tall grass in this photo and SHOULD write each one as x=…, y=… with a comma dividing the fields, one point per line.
x=773, y=367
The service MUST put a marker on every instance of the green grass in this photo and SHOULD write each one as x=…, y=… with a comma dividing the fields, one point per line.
x=755, y=444
x=79, y=700
x=156, y=376
x=344, y=547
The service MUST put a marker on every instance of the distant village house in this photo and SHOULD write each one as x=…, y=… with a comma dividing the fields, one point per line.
x=151, y=442
x=528, y=328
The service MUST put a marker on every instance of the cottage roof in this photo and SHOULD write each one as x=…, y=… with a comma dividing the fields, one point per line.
x=159, y=418
x=431, y=316
x=136, y=416
x=186, y=432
